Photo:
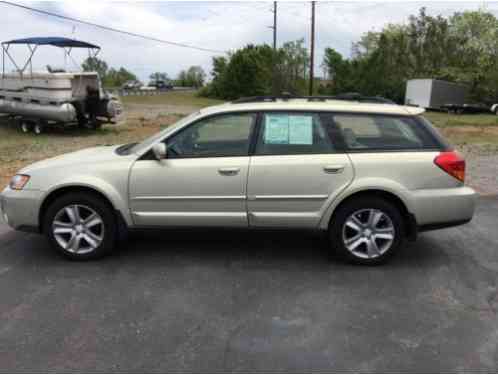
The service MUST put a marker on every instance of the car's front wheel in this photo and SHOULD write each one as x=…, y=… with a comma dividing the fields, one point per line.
x=367, y=230
x=80, y=226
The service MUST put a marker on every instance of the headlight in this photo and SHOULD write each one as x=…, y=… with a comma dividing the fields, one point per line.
x=19, y=181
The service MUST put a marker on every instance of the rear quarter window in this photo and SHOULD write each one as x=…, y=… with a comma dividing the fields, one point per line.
x=381, y=132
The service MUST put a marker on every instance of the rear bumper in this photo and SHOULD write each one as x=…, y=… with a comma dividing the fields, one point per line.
x=441, y=208
x=436, y=226
x=19, y=208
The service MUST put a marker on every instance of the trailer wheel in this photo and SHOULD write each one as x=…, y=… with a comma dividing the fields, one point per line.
x=25, y=127
x=38, y=129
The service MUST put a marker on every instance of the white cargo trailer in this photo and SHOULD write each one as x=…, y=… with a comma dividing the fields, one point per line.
x=433, y=93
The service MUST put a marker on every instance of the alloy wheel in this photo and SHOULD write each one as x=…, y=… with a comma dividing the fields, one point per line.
x=78, y=229
x=368, y=233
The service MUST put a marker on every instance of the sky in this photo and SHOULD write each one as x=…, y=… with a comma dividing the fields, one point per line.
x=217, y=25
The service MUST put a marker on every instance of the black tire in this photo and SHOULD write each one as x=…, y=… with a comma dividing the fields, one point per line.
x=352, y=206
x=37, y=129
x=95, y=203
x=25, y=127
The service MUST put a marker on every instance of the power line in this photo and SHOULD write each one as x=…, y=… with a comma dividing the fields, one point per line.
x=183, y=45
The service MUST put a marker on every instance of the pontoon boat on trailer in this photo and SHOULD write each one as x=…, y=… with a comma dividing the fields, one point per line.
x=55, y=96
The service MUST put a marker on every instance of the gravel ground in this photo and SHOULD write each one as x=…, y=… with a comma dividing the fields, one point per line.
x=482, y=168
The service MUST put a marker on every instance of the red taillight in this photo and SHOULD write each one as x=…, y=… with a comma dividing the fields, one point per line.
x=452, y=163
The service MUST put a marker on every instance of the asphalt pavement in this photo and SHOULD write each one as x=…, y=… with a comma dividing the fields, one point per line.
x=220, y=301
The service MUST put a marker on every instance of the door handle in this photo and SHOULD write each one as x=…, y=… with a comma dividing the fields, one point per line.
x=229, y=171
x=333, y=169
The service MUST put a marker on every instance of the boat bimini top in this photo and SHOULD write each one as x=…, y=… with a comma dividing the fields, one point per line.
x=66, y=44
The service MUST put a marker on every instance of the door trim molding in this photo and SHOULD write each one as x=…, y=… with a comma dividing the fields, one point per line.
x=288, y=197
x=189, y=197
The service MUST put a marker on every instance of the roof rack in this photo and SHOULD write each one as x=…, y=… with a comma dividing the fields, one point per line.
x=346, y=96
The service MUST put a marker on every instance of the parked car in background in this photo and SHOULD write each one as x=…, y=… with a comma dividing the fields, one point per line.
x=494, y=109
x=160, y=84
x=466, y=108
x=132, y=85
x=369, y=175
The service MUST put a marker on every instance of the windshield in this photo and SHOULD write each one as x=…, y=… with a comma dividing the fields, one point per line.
x=146, y=143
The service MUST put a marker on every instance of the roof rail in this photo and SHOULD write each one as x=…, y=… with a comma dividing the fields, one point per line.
x=347, y=96
x=263, y=98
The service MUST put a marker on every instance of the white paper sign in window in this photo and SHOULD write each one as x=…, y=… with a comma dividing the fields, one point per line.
x=276, y=129
x=301, y=130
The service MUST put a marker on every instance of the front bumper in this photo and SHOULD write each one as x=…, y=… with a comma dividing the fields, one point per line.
x=20, y=208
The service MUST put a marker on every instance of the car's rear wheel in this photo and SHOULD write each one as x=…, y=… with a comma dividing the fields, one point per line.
x=81, y=226
x=367, y=230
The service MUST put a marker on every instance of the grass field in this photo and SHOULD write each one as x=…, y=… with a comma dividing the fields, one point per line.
x=146, y=115
x=18, y=149
x=477, y=129
x=179, y=98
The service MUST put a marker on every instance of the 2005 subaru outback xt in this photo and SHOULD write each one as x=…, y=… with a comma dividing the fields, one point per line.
x=369, y=174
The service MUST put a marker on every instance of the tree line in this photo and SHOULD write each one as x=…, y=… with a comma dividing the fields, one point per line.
x=194, y=76
x=461, y=48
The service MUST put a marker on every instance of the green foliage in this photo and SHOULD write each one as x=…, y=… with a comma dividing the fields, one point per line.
x=259, y=70
x=462, y=48
x=116, y=78
x=193, y=77
x=94, y=64
x=159, y=76
x=291, y=62
x=110, y=77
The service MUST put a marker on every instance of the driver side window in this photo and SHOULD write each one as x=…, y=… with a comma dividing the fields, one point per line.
x=224, y=135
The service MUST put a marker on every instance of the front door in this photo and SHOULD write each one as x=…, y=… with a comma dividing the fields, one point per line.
x=295, y=172
x=203, y=180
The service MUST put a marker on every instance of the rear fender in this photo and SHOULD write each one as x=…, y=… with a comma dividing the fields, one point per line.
x=365, y=185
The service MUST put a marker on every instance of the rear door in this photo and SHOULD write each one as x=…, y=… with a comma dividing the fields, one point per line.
x=295, y=171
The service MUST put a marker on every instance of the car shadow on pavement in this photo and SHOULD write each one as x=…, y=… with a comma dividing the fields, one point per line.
x=253, y=248
x=290, y=247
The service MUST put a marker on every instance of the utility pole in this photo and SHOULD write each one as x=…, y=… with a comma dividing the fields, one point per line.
x=312, y=49
x=274, y=27
x=275, y=85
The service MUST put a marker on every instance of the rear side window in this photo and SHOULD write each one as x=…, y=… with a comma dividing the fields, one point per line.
x=289, y=133
x=378, y=132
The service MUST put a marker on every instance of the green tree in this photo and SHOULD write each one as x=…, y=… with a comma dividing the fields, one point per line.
x=110, y=77
x=94, y=64
x=290, y=68
x=462, y=48
x=116, y=78
x=159, y=76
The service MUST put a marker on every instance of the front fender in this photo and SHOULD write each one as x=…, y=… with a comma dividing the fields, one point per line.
x=98, y=184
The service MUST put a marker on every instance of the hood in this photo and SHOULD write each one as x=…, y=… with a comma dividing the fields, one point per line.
x=85, y=156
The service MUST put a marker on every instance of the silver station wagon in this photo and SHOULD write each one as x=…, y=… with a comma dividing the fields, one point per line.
x=370, y=175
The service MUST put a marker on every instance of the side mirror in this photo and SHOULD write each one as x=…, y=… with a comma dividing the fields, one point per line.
x=159, y=150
